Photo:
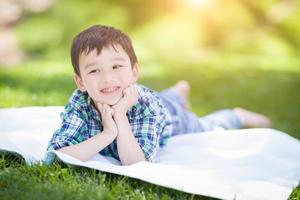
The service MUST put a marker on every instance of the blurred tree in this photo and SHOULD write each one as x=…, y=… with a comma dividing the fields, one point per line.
x=11, y=14
x=245, y=26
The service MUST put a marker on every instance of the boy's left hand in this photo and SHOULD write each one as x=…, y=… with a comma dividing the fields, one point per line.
x=130, y=97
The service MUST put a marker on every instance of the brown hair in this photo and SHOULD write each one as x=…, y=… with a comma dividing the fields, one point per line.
x=97, y=37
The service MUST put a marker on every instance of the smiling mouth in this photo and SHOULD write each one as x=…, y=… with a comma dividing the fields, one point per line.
x=110, y=90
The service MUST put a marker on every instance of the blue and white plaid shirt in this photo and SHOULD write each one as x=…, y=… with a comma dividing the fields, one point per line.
x=149, y=119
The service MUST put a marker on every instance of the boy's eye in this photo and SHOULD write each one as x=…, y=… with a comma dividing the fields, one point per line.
x=117, y=66
x=94, y=71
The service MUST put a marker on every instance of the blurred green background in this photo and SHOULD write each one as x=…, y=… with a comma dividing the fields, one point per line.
x=233, y=52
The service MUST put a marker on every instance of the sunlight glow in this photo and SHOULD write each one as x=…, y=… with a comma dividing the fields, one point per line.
x=198, y=3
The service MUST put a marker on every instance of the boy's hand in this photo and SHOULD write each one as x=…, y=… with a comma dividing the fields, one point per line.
x=130, y=97
x=109, y=124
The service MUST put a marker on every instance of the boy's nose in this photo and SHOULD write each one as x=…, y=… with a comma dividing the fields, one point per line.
x=106, y=77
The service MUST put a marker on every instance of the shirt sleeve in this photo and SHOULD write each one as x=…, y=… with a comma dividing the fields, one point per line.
x=149, y=127
x=72, y=130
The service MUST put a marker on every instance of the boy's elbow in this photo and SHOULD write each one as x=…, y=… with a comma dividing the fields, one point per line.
x=82, y=158
x=130, y=162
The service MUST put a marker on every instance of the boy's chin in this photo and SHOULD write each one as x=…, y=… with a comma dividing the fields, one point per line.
x=115, y=101
x=111, y=102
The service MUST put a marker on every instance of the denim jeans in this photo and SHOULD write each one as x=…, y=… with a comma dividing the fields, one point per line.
x=188, y=122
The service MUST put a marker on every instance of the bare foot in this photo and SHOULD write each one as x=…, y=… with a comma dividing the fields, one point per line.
x=182, y=88
x=251, y=119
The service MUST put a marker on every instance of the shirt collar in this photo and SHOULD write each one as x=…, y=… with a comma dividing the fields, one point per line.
x=94, y=112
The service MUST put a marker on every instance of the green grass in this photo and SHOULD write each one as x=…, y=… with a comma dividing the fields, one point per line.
x=218, y=82
x=19, y=181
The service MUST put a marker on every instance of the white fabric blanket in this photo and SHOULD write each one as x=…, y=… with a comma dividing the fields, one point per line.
x=237, y=164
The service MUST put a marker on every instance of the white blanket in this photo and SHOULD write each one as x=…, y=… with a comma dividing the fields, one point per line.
x=237, y=164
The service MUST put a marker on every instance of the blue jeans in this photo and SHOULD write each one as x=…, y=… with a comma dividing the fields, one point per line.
x=188, y=122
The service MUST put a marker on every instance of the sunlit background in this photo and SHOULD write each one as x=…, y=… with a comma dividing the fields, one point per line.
x=189, y=30
x=234, y=52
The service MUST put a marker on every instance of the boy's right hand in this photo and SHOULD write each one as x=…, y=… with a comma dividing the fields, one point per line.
x=109, y=124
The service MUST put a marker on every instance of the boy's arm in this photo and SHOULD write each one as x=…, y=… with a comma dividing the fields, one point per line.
x=88, y=148
x=128, y=148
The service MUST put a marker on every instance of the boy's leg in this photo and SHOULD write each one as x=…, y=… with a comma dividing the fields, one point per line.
x=179, y=92
x=225, y=119
x=234, y=119
x=175, y=99
x=251, y=119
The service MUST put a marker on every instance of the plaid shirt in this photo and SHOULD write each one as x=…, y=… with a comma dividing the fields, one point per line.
x=149, y=119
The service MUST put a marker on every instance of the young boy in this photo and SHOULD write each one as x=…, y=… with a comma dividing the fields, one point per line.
x=111, y=114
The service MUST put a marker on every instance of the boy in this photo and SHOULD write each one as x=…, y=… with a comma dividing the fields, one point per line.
x=110, y=113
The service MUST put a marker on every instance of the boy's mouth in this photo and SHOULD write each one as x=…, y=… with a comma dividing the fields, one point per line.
x=110, y=90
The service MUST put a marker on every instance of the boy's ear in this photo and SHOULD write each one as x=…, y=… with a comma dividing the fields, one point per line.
x=79, y=83
x=135, y=71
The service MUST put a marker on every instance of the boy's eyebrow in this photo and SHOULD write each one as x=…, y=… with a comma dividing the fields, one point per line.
x=95, y=63
x=118, y=59
x=89, y=65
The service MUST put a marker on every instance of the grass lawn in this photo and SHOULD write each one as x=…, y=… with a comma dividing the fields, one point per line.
x=220, y=82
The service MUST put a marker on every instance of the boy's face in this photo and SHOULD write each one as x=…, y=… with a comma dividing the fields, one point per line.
x=106, y=75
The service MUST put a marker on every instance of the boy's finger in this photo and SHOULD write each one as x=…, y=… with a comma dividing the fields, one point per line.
x=105, y=107
x=100, y=107
x=111, y=112
x=106, y=112
x=125, y=91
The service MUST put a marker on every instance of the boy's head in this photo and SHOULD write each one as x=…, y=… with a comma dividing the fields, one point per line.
x=97, y=37
x=104, y=63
